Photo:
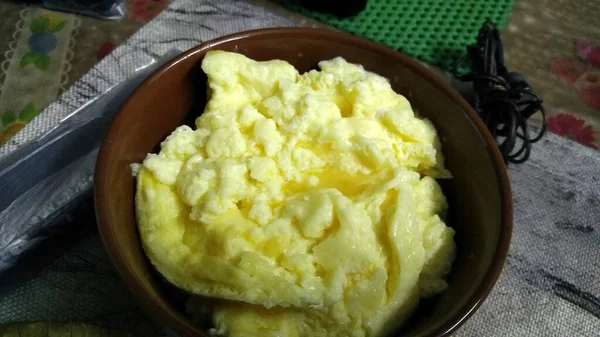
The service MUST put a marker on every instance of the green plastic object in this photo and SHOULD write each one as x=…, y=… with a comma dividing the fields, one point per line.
x=434, y=31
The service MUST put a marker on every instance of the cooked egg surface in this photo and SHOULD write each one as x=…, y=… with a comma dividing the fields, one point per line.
x=307, y=202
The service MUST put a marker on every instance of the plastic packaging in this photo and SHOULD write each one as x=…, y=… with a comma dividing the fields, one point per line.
x=44, y=180
x=105, y=9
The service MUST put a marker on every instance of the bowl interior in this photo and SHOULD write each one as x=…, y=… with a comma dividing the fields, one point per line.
x=479, y=195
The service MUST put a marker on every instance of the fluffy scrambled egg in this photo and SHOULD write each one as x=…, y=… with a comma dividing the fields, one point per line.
x=307, y=202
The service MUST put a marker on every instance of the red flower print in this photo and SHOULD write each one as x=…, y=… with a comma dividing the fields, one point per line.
x=567, y=68
x=588, y=88
x=146, y=10
x=567, y=125
x=104, y=50
x=584, y=74
x=588, y=52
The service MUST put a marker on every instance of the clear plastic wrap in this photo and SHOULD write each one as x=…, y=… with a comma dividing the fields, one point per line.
x=43, y=181
x=104, y=9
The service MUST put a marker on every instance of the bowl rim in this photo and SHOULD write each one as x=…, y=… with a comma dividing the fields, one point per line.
x=184, y=328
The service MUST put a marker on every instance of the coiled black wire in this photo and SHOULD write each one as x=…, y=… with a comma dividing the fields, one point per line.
x=503, y=99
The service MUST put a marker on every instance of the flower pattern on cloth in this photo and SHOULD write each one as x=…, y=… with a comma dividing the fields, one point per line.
x=42, y=41
x=582, y=72
x=146, y=10
x=35, y=68
x=12, y=122
x=41, y=36
x=105, y=49
x=574, y=128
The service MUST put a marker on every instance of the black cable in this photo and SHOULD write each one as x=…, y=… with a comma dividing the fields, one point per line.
x=503, y=99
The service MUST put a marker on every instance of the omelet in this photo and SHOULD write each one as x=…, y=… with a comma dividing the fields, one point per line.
x=307, y=204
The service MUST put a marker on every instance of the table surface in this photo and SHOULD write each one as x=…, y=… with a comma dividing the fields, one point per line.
x=549, y=284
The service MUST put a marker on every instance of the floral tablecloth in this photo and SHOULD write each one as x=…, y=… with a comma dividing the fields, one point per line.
x=554, y=42
x=43, y=52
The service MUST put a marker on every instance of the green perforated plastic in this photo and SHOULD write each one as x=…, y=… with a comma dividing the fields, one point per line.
x=434, y=31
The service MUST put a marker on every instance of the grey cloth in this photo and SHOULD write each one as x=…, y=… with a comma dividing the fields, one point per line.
x=549, y=287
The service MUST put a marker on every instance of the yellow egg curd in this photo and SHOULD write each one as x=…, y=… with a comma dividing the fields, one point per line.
x=307, y=202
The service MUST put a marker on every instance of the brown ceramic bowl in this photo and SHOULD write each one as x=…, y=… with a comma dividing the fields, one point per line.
x=479, y=195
